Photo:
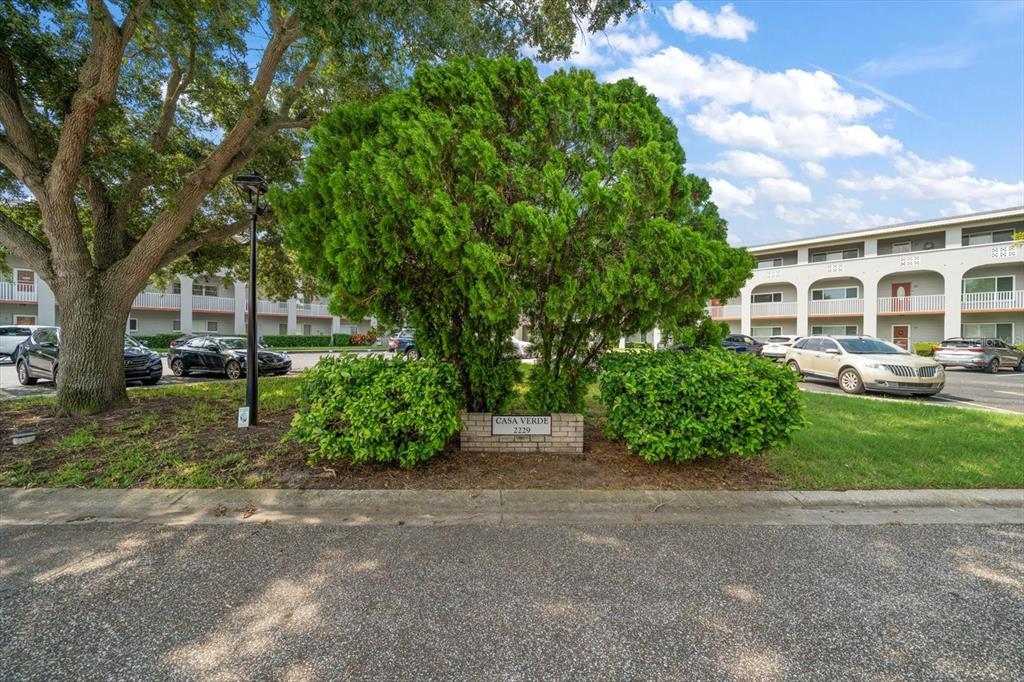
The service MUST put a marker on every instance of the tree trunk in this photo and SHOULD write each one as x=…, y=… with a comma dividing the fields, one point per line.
x=90, y=374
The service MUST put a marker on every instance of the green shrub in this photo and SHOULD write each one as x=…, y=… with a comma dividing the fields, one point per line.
x=676, y=406
x=925, y=348
x=371, y=409
x=158, y=341
x=341, y=339
x=1019, y=346
x=638, y=345
x=297, y=341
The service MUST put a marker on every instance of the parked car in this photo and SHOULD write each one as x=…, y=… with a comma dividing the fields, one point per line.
x=864, y=363
x=778, y=346
x=40, y=359
x=225, y=355
x=523, y=349
x=404, y=343
x=741, y=343
x=988, y=354
x=12, y=336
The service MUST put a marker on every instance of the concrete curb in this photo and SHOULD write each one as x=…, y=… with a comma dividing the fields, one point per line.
x=509, y=507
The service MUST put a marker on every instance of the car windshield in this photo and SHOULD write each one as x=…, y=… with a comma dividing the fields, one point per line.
x=129, y=342
x=866, y=346
x=233, y=344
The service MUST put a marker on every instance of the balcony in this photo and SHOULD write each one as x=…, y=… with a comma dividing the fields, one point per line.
x=18, y=292
x=992, y=300
x=723, y=312
x=312, y=310
x=777, y=309
x=267, y=307
x=839, y=306
x=931, y=303
x=158, y=300
x=213, y=303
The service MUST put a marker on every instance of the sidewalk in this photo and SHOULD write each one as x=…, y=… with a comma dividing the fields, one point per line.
x=509, y=507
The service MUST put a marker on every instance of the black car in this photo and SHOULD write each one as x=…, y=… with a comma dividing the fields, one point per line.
x=225, y=355
x=741, y=343
x=39, y=358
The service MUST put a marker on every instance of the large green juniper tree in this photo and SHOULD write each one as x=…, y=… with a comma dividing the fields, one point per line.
x=121, y=120
x=481, y=196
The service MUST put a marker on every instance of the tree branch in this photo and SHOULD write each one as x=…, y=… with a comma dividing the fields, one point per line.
x=16, y=125
x=21, y=243
x=183, y=248
x=22, y=167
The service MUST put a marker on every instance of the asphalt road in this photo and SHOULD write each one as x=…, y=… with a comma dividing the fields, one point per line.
x=99, y=601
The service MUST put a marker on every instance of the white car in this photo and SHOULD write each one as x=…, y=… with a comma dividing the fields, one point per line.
x=12, y=335
x=777, y=346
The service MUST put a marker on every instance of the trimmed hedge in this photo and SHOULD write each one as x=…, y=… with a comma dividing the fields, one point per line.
x=342, y=339
x=297, y=340
x=680, y=406
x=157, y=341
x=925, y=348
x=372, y=409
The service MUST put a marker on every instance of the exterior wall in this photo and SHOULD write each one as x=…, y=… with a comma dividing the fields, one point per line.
x=786, y=326
x=856, y=321
x=921, y=283
x=923, y=328
x=918, y=242
x=8, y=311
x=1016, y=319
x=152, y=322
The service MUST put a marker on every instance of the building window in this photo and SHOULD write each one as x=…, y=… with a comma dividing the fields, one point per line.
x=26, y=281
x=763, y=333
x=768, y=297
x=844, y=254
x=835, y=330
x=24, y=319
x=987, y=237
x=176, y=288
x=988, y=330
x=205, y=289
x=307, y=329
x=769, y=263
x=211, y=325
x=835, y=293
x=282, y=328
x=901, y=247
x=133, y=325
x=175, y=325
x=988, y=285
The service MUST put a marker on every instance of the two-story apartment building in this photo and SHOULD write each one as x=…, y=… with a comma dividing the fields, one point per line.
x=213, y=305
x=908, y=283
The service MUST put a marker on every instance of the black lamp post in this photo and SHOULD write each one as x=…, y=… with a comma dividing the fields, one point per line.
x=251, y=186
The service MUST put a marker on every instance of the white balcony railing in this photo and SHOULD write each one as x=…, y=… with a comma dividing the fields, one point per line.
x=777, y=309
x=157, y=299
x=223, y=303
x=312, y=310
x=18, y=291
x=268, y=307
x=839, y=306
x=993, y=300
x=718, y=312
x=929, y=303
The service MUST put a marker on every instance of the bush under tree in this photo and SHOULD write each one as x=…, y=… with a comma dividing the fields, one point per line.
x=680, y=406
x=371, y=409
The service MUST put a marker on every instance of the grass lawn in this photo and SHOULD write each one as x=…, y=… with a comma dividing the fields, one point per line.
x=185, y=436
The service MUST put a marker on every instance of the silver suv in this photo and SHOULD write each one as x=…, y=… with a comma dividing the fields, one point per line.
x=988, y=354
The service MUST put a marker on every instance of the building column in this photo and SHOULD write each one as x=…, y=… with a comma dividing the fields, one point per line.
x=745, y=294
x=335, y=326
x=622, y=342
x=292, y=316
x=803, y=327
x=46, y=304
x=656, y=337
x=240, y=303
x=185, y=310
x=952, y=287
x=870, y=294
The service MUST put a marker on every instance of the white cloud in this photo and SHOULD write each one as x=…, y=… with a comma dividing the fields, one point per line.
x=815, y=171
x=782, y=189
x=918, y=60
x=831, y=217
x=631, y=43
x=729, y=197
x=809, y=137
x=728, y=23
x=849, y=203
x=749, y=165
x=947, y=178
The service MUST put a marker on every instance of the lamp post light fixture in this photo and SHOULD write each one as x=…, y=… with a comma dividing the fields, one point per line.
x=251, y=186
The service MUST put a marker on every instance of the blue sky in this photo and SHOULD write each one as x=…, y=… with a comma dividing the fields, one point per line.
x=810, y=118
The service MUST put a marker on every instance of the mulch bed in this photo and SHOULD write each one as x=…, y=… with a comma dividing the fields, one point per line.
x=603, y=464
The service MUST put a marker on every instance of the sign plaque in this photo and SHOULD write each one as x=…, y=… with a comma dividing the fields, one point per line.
x=520, y=425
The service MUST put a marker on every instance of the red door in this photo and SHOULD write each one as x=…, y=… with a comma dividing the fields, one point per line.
x=901, y=336
x=900, y=290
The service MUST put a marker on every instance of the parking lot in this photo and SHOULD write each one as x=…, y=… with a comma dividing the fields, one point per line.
x=964, y=388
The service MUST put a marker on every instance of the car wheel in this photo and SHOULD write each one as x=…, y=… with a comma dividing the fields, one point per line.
x=23, y=378
x=993, y=367
x=792, y=364
x=850, y=381
x=412, y=354
x=232, y=370
x=178, y=367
